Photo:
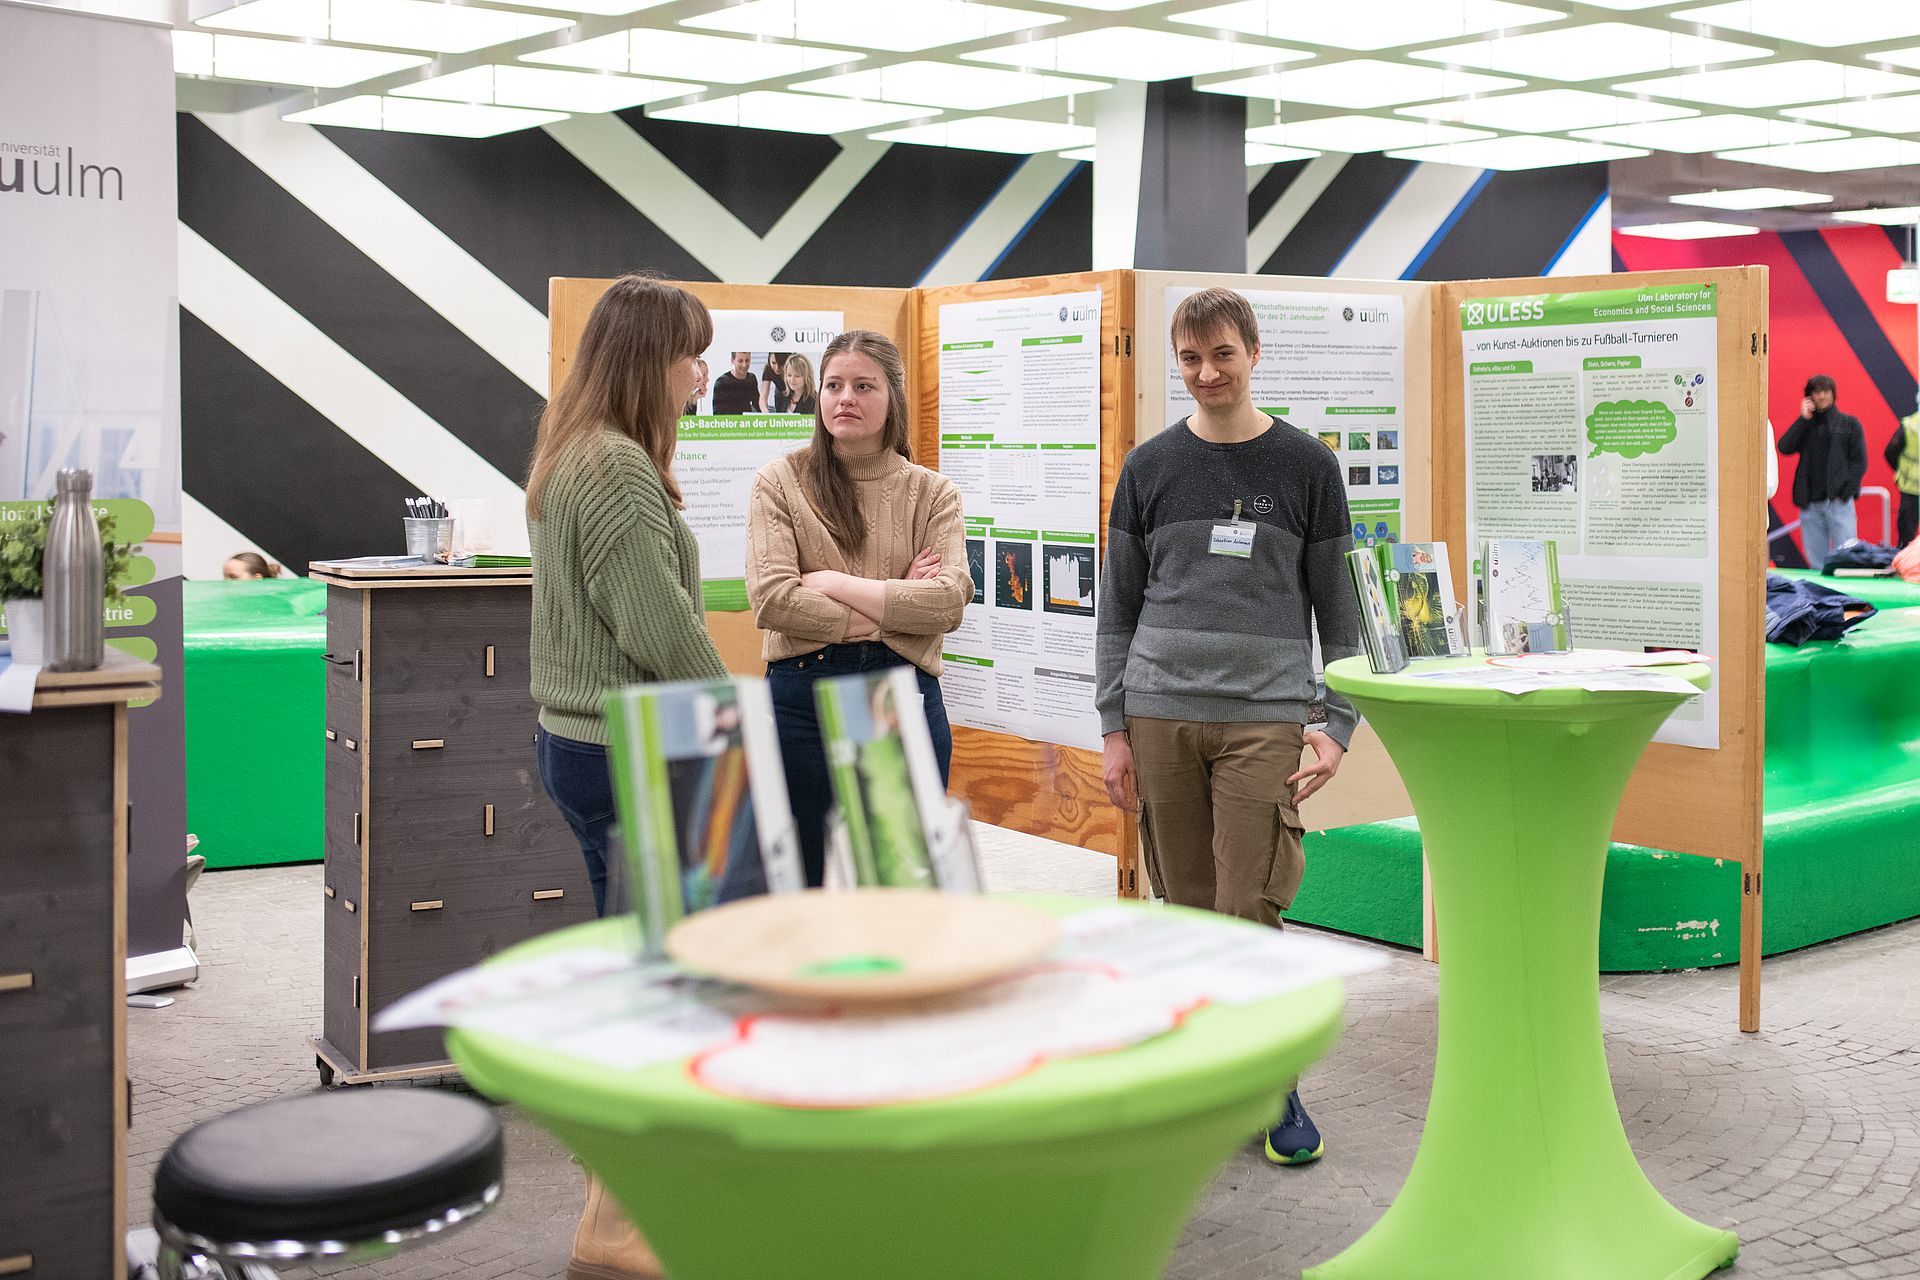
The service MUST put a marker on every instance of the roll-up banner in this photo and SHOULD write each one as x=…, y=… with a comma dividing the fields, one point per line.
x=90, y=374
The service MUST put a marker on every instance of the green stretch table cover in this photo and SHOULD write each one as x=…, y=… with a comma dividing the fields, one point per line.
x=255, y=706
x=1523, y=1172
x=1085, y=1169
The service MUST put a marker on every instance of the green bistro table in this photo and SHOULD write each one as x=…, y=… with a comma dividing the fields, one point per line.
x=1085, y=1168
x=1523, y=1171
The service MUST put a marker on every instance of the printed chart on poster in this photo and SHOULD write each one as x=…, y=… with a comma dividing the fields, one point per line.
x=1333, y=365
x=1591, y=421
x=1020, y=437
x=759, y=384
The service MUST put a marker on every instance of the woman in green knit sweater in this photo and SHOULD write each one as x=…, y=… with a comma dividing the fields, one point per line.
x=616, y=571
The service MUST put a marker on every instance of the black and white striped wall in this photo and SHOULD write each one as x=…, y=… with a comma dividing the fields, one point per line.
x=364, y=313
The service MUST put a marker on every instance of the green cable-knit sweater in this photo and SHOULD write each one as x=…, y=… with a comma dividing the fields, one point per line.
x=616, y=587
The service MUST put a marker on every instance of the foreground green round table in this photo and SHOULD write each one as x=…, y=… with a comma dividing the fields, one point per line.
x=1087, y=1168
x=1523, y=1172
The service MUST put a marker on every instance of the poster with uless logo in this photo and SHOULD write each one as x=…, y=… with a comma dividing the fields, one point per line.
x=1020, y=438
x=1592, y=421
x=755, y=401
x=1334, y=366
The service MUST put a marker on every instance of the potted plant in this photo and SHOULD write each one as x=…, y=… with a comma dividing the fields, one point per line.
x=23, y=546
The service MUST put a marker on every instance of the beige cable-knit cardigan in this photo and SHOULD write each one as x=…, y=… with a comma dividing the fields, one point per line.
x=907, y=508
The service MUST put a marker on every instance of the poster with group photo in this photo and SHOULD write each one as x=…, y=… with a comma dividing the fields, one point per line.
x=1592, y=420
x=1020, y=437
x=758, y=390
x=1333, y=365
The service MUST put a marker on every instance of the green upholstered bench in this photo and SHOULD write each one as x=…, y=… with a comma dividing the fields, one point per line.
x=255, y=691
x=1842, y=822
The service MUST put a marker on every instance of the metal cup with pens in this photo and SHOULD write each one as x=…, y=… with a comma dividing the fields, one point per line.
x=429, y=530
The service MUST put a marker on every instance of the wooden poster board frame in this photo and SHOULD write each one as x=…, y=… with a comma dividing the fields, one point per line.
x=888, y=311
x=1686, y=799
x=1039, y=787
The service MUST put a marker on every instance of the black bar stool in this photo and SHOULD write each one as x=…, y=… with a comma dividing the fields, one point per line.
x=352, y=1175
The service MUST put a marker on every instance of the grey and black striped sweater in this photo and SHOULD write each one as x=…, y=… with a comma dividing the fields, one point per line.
x=1188, y=635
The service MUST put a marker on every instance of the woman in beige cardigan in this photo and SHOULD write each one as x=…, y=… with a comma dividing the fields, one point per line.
x=856, y=561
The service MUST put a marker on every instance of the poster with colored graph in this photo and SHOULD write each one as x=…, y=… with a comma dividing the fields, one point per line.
x=1020, y=437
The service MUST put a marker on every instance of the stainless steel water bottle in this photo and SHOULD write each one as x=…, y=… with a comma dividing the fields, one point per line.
x=75, y=583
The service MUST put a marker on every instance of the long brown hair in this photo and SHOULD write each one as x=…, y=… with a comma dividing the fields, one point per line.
x=622, y=378
x=829, y=488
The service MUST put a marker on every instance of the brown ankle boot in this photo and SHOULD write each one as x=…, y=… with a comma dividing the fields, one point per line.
x=608, y=1247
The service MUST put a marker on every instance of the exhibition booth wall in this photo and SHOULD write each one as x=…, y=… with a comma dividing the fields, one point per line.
x=371, y=307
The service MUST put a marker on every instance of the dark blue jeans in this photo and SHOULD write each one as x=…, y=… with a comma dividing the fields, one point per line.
x=809, y=786
x=575, y=774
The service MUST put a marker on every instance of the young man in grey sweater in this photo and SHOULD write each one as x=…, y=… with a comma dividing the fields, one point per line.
x=1225, y=546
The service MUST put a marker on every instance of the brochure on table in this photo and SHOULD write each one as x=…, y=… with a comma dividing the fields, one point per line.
x=719, y=452
x=1334, y=366
x=1020, y=437
x=1591, y=420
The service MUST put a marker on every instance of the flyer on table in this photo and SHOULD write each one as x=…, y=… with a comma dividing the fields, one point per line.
x=755, y=402
x=1020, y=437
x=1591, y=420
x=1333, y=365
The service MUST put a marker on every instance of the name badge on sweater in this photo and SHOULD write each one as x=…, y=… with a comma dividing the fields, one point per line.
x=1233, y=537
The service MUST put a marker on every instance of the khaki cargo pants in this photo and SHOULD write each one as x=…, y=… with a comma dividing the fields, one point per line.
x=1217, y=823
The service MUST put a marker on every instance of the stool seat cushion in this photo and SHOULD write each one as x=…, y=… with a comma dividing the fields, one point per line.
x=346, y=1166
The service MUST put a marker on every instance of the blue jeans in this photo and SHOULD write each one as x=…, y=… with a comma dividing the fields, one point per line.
x=1824, y=526
x=809, y=785
x=576, y=776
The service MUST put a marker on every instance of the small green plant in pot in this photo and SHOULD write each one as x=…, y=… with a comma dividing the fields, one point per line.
x=23, y=548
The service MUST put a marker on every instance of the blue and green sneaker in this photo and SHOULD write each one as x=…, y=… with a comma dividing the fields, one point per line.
x=1295, y=1140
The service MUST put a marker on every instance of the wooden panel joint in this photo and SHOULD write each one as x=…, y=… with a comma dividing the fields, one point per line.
x=18, y=1265
x=332, y=736
x=486, y=826
x=329, y=891
x=545, y=895
x=351, y=744
x=348, y=904
x=16, y=981
x=431, y=904
x=356, y=986
x=356, y=828
x=429, y=744
x=489, y=660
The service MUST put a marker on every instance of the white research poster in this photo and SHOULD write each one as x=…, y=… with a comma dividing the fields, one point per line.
x=1592, y=420
x=1020, y=437
x=1335, y=366
x=755, y=402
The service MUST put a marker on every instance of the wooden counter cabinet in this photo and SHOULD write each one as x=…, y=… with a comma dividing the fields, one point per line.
x=442, y=847
x=63, y=945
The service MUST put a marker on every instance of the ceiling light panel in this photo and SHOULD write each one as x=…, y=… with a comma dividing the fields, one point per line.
x=1688, y=230
x=993, y=133
x=1362, y=83
x=544, y=88
x=1874, y=115
x=1355, y=135
x=1752, y=198
x=595, y=8
x=288, y=62
x=791, y=112
x=1709, y=133
x=395, y=24
x=1135, y=53
x=1899, y=57
x=1548, y=110
x=1775, y=84
x=1595, y=51
x=1840, y=156
x=1517, y=152
x=950, y=85
x=1377, y=24
x=873, y=24
x=712, y=59
x=418, y=115
x=1882, y=217
x=1829, y=25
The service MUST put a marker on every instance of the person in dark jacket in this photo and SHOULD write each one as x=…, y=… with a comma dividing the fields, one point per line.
x=1833, y=460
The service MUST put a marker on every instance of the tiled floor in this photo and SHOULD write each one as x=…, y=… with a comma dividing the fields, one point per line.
x=1805, y=1139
